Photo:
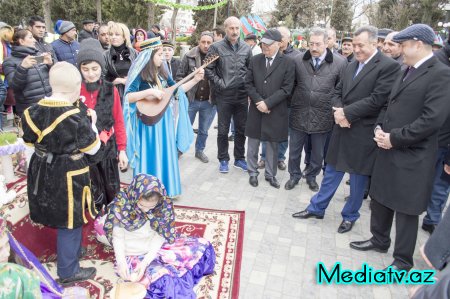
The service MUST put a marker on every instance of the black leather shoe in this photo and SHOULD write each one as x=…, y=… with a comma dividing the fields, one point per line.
x=345, y=226
x=347, y=182
x=428, y=227
x=253, y=180
x=397, y=268
x=82, y=274
x=305, y=214
x=231, y=138
x=273, y=182
x=196, y=131
x=367, y=245
x=290, y=184
x=281, y=165
x=313, y=186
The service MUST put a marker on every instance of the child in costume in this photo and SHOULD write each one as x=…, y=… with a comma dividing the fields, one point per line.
x=58, y=181
x=101, y=96
x=154, y=149
x=140, y=224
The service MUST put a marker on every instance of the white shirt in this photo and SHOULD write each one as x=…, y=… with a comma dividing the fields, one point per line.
x=143, y=241
x=273, y=58
x=422, y=61
x=370, y=58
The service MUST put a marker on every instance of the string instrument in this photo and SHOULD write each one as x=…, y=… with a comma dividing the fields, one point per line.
x=150, y=112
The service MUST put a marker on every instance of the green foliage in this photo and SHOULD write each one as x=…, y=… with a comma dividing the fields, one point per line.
x=133, y=13
x=7, y=138
x=304, y=13
x=341, y=19
x=182, y=39
x=398, y=14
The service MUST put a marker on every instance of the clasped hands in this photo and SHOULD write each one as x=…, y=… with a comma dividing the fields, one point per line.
x=262, y=107
x=382, y=139
x=339, y=118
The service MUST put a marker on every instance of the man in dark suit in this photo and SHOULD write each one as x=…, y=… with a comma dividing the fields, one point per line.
x=402, y=176
x=269, y=82
x=362, y=92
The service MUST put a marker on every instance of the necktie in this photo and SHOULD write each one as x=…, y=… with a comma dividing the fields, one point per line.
x=360, y=67
x=409, y=71
x=268, y=62
x=317, y=65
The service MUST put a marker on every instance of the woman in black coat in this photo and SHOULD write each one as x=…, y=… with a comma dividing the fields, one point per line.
x=27, y=70
x=119, y=57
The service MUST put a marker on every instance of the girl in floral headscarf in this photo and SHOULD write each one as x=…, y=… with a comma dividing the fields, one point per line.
x=140, y=224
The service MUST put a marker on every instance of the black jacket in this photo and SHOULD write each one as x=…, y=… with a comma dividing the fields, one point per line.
x=311, y=103
x=45, y=47
x=227, y=74
x=85, y=35
x=273, y=87
x=174, y=65
x=444, y=54
x=189, y=63
x=352, y=149
x=403, y=176
x=29, y=85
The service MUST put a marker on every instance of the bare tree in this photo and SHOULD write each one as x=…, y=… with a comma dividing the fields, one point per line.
x=98, y=5
x=173, y=23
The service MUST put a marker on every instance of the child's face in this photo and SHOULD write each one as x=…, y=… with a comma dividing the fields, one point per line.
x=91, y=72
x=148, y=204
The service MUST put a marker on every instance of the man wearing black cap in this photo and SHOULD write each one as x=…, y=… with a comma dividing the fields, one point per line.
x=269, y=82
x=172, y=63
x=87, y=31
x=407, y=138
x=347, y=49
x=251, y=40
x=382, y=33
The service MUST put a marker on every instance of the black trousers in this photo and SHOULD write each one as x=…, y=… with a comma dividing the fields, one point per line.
x=406, y=232
x=296, y=143
x=437, y=248
x=225, y=110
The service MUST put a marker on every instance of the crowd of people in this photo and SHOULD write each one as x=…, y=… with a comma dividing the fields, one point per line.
x=377, y=109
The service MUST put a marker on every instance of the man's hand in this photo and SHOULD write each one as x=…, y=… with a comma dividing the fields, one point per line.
x=48, y=58
x=383, y=139
x=344, y=123
x=262, y=107
x=447, y=168
x=339, y=115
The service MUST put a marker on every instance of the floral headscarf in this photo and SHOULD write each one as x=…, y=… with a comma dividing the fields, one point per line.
x=124, y=212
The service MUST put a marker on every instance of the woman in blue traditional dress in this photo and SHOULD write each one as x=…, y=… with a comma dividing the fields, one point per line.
x=154, y=149
x=140, y=224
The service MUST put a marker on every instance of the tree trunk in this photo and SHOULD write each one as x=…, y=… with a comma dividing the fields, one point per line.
x=151, y=15
x=173, y=23
x=98, y=4
x=47, y=15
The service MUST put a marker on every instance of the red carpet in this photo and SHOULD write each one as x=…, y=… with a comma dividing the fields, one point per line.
x=224, y=229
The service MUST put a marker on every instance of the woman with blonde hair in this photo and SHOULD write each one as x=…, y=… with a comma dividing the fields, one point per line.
x=119, y=57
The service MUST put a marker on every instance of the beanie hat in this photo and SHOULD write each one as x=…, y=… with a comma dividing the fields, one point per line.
x=91, y=50
x=65, y=26
x=64, y=78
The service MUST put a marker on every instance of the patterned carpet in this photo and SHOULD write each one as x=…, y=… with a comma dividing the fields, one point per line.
x=224, y=229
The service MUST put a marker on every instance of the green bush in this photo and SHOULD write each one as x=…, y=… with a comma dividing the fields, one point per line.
x=7, y=138
x=182, y=39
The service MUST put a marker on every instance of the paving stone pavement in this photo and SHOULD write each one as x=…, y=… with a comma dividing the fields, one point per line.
x=280, y=253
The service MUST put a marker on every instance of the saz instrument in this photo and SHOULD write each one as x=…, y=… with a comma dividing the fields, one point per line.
x=151, y=112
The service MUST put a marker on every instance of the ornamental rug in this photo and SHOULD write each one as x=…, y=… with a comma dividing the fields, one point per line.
x=224, y=229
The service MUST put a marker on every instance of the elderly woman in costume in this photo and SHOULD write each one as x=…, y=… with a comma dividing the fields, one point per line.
x=140, y=224
x=154, y=149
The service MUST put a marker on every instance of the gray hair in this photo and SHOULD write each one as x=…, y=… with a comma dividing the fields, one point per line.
x=317, y=31
x=371, y=31
x=285, y=32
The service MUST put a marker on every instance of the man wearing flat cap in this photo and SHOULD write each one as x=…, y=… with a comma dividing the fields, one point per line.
x=172, y=63
x=347, y=48
x=252, y=41
x=269, y=82
x=87, y=31
x=407, y=138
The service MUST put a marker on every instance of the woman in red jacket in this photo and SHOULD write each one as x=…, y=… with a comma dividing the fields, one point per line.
x=103, y=97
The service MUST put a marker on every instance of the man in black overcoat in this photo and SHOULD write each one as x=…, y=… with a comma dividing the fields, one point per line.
x=361, y=94
x=407, y=137
x=269, y=82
